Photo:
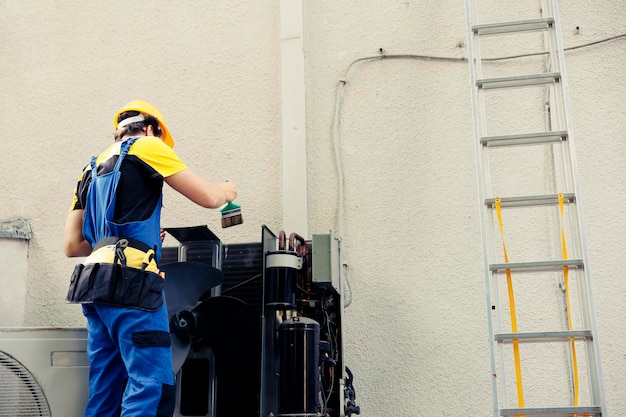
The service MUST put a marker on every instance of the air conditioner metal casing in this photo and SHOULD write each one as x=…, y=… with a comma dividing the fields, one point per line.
x=56, y=358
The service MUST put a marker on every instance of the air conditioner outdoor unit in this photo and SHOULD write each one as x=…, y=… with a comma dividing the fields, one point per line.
x=43, y=372
x=278, y=353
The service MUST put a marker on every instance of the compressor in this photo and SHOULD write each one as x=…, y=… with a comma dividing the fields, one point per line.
x=290, y=350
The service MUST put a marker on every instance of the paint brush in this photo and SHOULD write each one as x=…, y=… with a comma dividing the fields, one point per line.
x=231, y=214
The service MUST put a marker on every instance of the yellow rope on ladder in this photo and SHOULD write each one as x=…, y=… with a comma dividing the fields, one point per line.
x=561, y=199
x=509, y=281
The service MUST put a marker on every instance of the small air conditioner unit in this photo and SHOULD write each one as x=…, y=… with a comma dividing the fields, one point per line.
x=43, y=372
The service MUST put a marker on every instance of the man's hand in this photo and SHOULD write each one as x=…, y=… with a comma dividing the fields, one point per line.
x=230, y=190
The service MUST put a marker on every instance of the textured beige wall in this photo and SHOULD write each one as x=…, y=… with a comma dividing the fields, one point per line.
x=211, y=68
x=415, y=330
x=13, y=270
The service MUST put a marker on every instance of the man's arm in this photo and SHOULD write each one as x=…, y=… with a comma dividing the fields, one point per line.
x=201, y=191
x=74, y=244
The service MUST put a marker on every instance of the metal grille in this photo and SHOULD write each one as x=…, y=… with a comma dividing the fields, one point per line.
x=242, y=267
x=20, y=394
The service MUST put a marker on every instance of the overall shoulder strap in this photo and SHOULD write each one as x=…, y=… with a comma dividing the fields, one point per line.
x=124, y=148
x=94, y=170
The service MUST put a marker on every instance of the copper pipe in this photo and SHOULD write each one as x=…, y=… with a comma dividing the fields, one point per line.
x=302, y=248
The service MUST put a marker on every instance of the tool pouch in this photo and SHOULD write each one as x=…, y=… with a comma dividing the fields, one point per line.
x=115, y=284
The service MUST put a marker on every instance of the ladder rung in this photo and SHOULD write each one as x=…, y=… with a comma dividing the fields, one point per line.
x=519, y=81
x=537, y=266
x=561, y=336
x=552, y=411
x=531, y=200
x=524, y=139
x=519, y=26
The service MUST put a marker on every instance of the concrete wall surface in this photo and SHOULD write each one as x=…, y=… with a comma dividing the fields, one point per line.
x=390, y=163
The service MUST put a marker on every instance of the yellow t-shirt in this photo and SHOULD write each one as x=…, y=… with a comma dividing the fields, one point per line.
x=148, y=162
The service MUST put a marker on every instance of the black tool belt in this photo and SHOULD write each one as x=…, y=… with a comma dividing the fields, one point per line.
x=115, y=283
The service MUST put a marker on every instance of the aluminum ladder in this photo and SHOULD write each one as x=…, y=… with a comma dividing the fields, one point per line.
x=545, y=358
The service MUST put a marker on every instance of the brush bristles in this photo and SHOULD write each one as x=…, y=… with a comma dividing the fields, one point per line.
x=231, y=219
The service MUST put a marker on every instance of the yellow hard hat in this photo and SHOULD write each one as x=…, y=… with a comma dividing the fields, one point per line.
x=147, y=108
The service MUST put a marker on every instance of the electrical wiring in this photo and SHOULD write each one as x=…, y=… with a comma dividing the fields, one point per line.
x=331, y=329
x=382, y=56
x=348, y=299
x=571, y=48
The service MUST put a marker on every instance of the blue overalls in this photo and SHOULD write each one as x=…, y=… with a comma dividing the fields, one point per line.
x=125, y=343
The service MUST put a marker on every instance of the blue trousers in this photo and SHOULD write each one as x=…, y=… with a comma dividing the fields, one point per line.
x=131, y=371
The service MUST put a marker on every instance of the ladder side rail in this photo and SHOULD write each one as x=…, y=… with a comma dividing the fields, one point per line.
x=548, y=8
x=562, y=180
x=554, y=95
x=559, y=176
x=593, y=353
x=484, y=171
x=501, y=375
x=494, y=279
x=556, y=64
x=555, y=106
x=470, y=17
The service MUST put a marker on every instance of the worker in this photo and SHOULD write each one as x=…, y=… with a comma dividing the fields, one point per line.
x=114, y=222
